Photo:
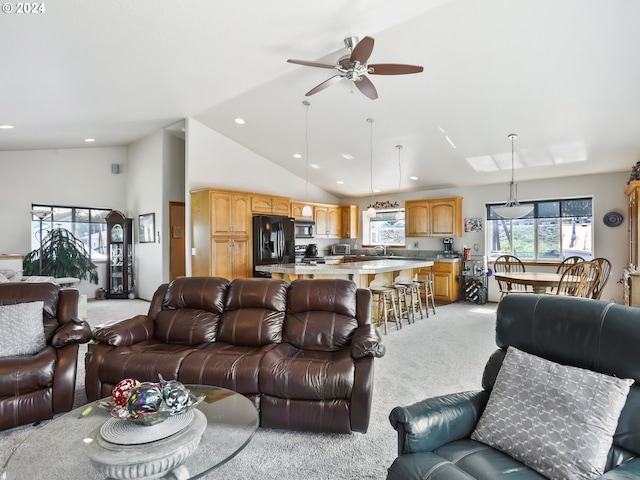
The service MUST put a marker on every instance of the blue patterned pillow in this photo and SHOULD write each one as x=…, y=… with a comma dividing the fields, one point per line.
x=556, y=419
x=21, y=329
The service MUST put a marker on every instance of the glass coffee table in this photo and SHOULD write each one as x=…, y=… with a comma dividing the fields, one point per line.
x=62, y=447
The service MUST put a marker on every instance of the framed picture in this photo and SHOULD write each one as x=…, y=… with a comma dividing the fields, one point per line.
x=473, y=225
x=147, y=228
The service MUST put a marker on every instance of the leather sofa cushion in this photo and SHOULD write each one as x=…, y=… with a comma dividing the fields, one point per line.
x=321, y=314
x=228, y=366
x=191, y=310
x=288, y=372
x=143, y=361
x=23, y=374
x=254, y=312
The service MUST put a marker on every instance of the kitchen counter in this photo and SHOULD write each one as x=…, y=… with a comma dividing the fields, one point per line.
x=362, y=273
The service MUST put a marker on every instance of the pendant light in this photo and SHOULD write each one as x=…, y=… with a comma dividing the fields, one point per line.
x=306, y=210
x=371, y=211
x=399, y=213
x=513, y=209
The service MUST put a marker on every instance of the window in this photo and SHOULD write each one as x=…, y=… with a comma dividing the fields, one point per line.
x=383, y=229
x=554, y=230
x=88, y=225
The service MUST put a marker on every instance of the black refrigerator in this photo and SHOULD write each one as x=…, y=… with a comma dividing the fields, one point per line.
x=273, y=241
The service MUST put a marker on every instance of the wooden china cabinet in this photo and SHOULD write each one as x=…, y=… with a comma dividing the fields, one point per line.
x=631, y=275
x=119, y=255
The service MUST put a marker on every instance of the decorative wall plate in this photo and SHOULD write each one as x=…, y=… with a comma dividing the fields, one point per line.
x=612, y=219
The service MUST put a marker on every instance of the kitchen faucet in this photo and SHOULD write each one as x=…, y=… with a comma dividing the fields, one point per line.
x=383, y=247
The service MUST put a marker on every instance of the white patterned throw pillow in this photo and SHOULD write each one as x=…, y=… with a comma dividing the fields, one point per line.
x=556, y=419
x=21, y=329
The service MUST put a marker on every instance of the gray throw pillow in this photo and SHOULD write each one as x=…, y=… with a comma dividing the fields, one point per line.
x=21, y=329
x=558, y=420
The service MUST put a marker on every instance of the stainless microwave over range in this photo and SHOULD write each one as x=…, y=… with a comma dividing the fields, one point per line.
x=305, y=228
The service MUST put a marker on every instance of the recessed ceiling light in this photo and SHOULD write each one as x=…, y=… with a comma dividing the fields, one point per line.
x=297, y=155
x=239, y=121
x=314, y=165
x=347, y=156
x=340, y=182
x=89, y=140
x=6, y=127
x=377, y=190
x=413, y=178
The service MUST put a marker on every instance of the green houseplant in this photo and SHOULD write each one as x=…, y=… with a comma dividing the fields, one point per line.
x=63, y=255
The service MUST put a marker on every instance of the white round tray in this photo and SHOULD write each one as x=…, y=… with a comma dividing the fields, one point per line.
x=125, y=432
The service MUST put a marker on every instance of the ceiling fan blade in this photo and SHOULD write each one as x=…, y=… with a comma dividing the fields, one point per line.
x=366, y=87
x=326, y=84
x=393, y=69
x=362, y=51
x=311, y=64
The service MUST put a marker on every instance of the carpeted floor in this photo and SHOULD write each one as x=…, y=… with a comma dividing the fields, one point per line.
x=445, y=353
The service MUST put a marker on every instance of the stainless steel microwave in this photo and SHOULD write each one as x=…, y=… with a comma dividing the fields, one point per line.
x=305, y=228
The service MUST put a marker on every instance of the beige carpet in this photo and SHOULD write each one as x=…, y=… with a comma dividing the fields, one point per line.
x=445, y=353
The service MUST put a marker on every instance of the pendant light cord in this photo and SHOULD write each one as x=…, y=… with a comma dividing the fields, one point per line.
x=306, y=153
x=370, y=120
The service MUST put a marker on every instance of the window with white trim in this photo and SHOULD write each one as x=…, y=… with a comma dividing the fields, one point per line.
x=384, y=228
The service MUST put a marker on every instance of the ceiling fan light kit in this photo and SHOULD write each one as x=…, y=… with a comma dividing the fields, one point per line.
x=354, y=67
x=512, y=209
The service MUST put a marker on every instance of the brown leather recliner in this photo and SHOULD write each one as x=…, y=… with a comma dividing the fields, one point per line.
x=302, y=352
x=35, y=387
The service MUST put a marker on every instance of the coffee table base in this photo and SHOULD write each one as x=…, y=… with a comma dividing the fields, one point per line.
x=154, y=460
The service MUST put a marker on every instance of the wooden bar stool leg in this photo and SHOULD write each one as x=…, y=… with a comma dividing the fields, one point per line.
x=389, y=297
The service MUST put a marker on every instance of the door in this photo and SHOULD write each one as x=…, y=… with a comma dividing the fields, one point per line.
x=177, y=250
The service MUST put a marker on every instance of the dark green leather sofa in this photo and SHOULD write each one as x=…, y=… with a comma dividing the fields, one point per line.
x=434, y=434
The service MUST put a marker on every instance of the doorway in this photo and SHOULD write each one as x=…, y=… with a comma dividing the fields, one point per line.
x=177, y=253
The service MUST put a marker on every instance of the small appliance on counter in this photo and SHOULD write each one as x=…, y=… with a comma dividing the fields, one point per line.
x=341, y=249
x=448, y=245
x=308, y=254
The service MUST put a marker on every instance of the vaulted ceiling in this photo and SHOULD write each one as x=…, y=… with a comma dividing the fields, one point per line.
x=563, y=75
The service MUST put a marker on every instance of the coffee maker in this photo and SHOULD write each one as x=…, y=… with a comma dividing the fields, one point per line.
x=448, y=245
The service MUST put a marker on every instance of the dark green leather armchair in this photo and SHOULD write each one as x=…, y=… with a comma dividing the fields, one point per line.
x=434, y=434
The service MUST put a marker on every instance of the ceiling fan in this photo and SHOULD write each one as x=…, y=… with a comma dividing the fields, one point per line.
x=354, y=67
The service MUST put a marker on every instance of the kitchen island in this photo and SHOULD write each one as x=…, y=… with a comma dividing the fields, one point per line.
x=364, y=274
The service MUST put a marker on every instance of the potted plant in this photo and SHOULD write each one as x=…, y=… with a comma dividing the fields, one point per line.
x=61, y=255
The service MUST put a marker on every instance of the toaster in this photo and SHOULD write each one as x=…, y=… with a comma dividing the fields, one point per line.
x=341, y=249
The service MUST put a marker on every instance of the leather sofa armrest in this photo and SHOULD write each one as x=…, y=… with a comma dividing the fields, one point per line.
x=428, y=424
x=367, y=342
x=76, y=331
x=624, y=471
x=126, y=332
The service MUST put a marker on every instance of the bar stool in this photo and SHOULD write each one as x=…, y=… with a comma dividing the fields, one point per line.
x=384, y=298
x=403, y=299
x=427, y=286
x=413, y=290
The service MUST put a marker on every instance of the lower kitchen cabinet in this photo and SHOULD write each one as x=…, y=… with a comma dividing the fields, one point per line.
x=446, y=286
x=230, y=258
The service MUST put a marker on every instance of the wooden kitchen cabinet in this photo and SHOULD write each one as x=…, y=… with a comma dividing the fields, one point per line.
x=349, y=221
x=328, y=220
x=270, y=204
x=296, y=211
x=434, y=217
x=446, y=283
x=221, y=233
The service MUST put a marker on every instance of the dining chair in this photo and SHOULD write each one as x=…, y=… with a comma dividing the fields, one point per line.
x=579, y=280
x=567, y=262
x=509, y=264
x=605, y=273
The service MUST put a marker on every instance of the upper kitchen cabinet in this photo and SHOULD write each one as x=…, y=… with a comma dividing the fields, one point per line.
x=296, y=211
x=328, y=220
x=434, y=217
x=349, y=221
x=270, y=204
x=230, y=213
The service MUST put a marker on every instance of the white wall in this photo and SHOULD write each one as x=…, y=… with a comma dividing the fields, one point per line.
x=608, y=195
x=75, y=177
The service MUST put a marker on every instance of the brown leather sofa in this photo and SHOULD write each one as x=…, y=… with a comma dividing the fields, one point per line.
x=35, y=387
x=302, y=352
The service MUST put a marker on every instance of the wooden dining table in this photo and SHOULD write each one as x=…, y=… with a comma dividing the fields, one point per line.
x=540, y=281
